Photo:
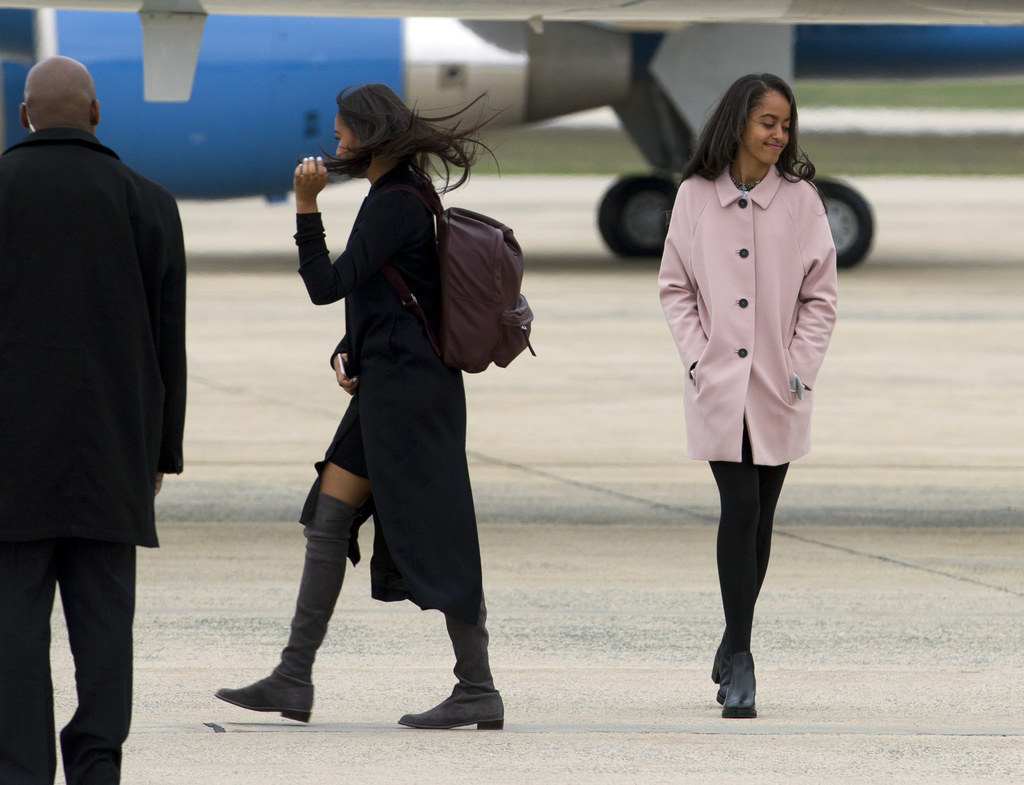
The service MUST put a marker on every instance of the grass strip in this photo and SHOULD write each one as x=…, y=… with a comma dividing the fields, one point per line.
x=571, y=151
x=988, y=93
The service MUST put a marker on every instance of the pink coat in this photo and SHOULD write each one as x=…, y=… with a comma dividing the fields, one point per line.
x=749, y=290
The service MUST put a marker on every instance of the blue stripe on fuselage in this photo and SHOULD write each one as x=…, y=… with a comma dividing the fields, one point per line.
x=907, y=51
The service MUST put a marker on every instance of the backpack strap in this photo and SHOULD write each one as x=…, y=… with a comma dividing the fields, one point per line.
x=424, y=193
x=409, y=301
x=395, y=278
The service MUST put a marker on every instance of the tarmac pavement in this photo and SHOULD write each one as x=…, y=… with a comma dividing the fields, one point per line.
x=888, y=636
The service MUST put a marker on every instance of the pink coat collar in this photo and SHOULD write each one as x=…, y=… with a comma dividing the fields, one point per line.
x=762, y=195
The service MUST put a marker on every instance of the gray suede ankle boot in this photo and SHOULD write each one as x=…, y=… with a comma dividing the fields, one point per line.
x=289, y=689
x=474, y=701
x=277, y=693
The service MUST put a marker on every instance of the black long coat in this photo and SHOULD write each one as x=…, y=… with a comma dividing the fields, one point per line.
x=92, y=341
x=410, y=406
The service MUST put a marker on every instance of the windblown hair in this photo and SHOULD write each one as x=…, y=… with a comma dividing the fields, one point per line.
x=387, y=128
x=722, y=133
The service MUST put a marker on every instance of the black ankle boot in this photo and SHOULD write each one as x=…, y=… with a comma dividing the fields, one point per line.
x=474, y=701
x=289, y=688
x=739, y=702
x=721, y=671
x=278, y=693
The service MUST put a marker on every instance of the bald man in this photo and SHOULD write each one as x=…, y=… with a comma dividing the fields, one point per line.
x=92, y=409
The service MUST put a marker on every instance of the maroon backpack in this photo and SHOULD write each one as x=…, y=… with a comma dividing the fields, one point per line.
x=484, y=318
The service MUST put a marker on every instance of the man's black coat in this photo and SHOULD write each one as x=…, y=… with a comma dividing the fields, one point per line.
x=92, y=341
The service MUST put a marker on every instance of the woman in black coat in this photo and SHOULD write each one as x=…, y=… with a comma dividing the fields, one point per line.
x=400, y=450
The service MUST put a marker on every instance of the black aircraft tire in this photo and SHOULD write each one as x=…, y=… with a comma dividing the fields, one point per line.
x=849, y=216
x=633, y=216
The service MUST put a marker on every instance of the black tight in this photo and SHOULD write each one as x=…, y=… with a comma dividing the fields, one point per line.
x=748, y=494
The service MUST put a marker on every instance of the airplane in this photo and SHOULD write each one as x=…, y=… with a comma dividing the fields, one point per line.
x=227, y=94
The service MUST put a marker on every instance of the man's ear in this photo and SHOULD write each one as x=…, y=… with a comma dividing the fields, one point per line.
x=23, y=117
x=94, y=113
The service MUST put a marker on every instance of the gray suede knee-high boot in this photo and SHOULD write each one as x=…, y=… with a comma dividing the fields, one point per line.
x=474, y=699
x=289, y=689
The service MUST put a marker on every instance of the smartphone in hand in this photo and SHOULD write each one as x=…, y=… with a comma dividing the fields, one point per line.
x=341, y=365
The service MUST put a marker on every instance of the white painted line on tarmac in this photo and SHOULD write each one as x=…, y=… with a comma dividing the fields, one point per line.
x=939, y=122
x=716, y=726
x=864, y=119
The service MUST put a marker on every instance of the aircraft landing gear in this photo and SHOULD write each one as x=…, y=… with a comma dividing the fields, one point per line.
x=850, y=219
x=633, y=216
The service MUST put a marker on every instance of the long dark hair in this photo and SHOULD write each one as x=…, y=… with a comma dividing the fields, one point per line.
x=387, y=128
x=722, y=133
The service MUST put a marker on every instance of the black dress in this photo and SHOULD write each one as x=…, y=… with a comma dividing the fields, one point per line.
x=409, y=408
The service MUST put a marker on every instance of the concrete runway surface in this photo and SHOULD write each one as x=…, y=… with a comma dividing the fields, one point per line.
x=888, y=636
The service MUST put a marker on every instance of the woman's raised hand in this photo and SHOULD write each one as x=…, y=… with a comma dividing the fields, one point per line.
x=310, y=179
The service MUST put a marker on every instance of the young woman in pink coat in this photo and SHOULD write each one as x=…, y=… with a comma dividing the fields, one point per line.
x=748, y=285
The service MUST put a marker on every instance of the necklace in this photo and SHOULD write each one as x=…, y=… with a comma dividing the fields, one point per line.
x=745, y=188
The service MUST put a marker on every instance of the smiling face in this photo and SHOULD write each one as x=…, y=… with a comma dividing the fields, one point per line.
x=765, y=136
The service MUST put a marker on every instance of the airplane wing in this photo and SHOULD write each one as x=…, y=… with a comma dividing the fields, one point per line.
x=1003, y=12
x=172, y=29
